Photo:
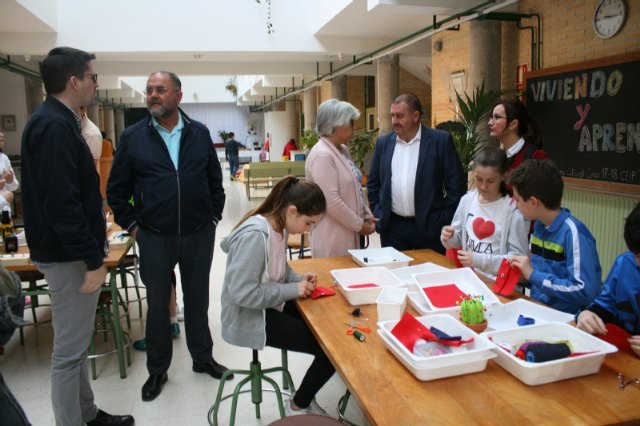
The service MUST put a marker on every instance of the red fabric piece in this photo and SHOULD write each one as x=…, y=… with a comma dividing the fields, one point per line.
x=444, y=296
x=617, y=336
x=409, y=329
x=482, y=228
x=507, y=278
x=452, y=254
x=364, y=285
x=322, y=291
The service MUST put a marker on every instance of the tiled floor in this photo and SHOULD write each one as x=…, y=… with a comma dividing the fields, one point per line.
x=187, y=396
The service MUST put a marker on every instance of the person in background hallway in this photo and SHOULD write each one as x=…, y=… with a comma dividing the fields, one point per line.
x=416, y=180
x=264, y=152
x=331, y=167
x=288, y=147
x=8, y=181
x=92, y=136
x=518, y=133
x=169, y=164
x=66, y=229
x=233, y=148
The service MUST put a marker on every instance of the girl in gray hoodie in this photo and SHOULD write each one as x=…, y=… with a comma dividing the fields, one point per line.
x=260, y=288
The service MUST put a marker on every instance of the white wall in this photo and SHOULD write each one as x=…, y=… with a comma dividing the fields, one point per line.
x=283, y=126
x=13, y=102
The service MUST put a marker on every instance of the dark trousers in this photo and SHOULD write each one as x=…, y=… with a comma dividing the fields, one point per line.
x=234, y=164
x=158, y=256
x=403, y=234
x=287, y=330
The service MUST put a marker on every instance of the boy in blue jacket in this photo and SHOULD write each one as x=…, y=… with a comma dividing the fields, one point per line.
x=619, y=302
x=563, y=270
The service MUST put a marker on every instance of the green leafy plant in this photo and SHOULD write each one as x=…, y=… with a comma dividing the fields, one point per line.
x=308, y=140
x=225, y=136
x=474, y=110
x=232, y=88
x=364, y=141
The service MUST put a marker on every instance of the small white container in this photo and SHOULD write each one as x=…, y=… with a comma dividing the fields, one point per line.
x=534, y=374
x=391, y=303
x=405, y=274
x=386, y=257
x=446, y=323
x=464, y=278
x=354, y=276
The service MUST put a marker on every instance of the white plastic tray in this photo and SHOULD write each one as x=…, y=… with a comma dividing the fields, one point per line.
x=551, y=371
x=391, y=302
x=449, y=325
x=464, y=278
x=386, y=257
x=405, y=274
x=363, y=296
x=499, y=317
x=506, y=316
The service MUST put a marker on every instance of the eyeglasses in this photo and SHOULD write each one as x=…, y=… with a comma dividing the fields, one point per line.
x=94, y=77
x=352, y=122
x=496, y=117
x=160, y=90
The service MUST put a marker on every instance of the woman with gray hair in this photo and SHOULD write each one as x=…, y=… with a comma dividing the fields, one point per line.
x=329, y=165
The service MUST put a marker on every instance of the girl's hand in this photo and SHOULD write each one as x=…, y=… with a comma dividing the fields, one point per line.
x=305, y=288
x=591, y=323
x=312, y=278
x=634, y=341
x=8, y=176
x=447, y=233
x=465, y=258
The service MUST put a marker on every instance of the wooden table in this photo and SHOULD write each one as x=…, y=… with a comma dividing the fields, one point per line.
x=390, y=395
x=112, y=261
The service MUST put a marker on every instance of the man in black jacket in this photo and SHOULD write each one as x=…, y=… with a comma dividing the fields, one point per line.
x=169, y=164
x=66, y=228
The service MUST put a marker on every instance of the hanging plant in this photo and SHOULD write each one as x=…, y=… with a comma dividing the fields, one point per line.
x=270, y=29
x=232, y=88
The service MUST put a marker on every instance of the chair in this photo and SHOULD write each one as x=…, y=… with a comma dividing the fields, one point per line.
x=254, y=376
x=301, y=245
x=104, y=324
x=33, y=291
x=129, y=266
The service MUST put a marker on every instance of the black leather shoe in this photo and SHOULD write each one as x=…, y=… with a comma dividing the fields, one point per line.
x=212, y=368
x=104, y=419
x=153, y=386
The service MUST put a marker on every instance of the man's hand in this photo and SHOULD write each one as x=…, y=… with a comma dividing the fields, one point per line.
x=93, y=280
x=524, y=264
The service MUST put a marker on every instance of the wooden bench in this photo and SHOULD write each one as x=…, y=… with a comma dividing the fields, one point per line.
x=267, y=174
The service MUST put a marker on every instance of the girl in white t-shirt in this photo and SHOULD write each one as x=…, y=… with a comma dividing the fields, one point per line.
x=487, y=227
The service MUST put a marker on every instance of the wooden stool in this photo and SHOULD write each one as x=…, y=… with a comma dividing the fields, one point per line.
x=255, y=376
x=299, y=243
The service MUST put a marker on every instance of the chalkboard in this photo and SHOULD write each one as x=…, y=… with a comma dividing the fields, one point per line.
x=589, y=114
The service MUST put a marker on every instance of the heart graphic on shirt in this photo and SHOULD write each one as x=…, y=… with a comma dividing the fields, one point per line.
x=482, y=228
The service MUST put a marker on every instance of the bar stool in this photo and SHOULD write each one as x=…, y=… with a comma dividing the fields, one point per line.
x=129, y=266
x=254, y=376
x=33, y=291
x=105, y=324
x=301, y=245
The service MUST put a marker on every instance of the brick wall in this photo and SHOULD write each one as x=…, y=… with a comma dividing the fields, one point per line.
x=567, y=37
x=411, y=83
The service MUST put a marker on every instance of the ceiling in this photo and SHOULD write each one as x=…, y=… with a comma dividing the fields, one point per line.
x=311, y=40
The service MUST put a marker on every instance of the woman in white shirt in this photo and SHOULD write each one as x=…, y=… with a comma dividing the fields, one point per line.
x=8, y=181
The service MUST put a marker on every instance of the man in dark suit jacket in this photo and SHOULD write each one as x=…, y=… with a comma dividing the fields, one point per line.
x=416, y=180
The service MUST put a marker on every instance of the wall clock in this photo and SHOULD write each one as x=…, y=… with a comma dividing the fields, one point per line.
x=609, y=17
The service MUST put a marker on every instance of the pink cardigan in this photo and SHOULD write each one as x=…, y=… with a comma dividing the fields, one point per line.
x=338, y=231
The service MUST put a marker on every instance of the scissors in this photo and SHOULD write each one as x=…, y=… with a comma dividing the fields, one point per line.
x=352, y=327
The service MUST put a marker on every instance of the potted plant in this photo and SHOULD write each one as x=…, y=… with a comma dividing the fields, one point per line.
x=363, y=142
x=472, y=313
x=474, y=111
x=224, y=135
x=308, y=140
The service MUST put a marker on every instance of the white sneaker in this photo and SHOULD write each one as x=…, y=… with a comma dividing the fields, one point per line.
x=313, y=408
x=288, y=411
x=180, y=314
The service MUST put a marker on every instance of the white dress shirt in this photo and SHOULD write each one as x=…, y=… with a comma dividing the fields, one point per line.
x=404, y=166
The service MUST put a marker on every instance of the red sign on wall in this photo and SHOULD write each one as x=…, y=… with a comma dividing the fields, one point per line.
x=521, y=69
